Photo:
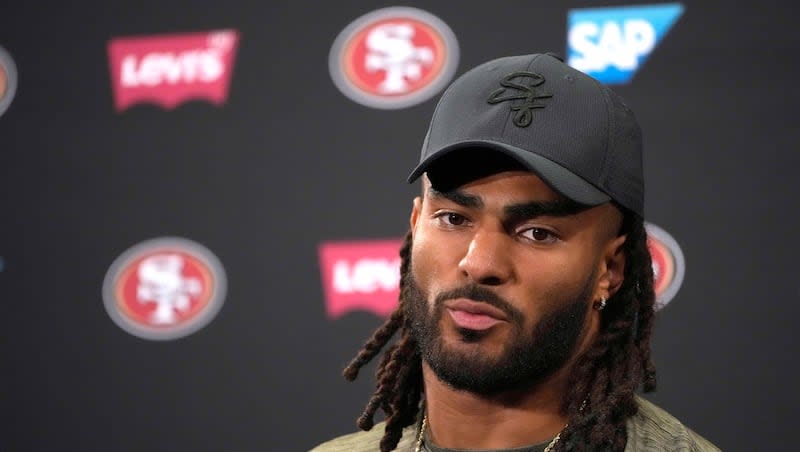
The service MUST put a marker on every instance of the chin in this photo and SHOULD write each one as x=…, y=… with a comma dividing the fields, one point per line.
x=487, y=344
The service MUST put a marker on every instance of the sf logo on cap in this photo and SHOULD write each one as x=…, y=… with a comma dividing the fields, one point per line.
x=530, y=93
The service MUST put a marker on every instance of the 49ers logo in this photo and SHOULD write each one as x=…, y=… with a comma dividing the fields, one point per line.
x=668, y=264
x=8, y=80
x=164, y=288
x=171, y=69
x=393, y=58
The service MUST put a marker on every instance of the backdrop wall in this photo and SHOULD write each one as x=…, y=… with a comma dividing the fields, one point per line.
x=273, y=160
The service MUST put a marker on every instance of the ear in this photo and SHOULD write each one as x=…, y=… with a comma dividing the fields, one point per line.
x=416, y=211
x=612, y=268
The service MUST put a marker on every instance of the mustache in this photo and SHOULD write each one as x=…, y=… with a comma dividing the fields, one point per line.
x=483, y=295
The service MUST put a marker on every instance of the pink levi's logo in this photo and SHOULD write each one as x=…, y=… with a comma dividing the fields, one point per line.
x=362, y=275
x=170, y=69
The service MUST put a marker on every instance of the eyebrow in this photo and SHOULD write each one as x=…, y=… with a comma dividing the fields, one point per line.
x=516, y=212
x=458, y=197
x=559, y=208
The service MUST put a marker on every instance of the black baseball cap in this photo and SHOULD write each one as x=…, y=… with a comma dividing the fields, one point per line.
x=565, y=126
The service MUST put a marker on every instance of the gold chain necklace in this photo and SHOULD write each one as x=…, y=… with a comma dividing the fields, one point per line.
x=425, y=425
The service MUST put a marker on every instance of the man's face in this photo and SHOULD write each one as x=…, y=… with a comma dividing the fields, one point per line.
x=504, y=272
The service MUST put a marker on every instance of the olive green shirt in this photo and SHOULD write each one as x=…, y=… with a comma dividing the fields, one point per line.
x=651, y=429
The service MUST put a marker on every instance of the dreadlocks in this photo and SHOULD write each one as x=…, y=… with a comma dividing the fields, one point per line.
x=603, y=382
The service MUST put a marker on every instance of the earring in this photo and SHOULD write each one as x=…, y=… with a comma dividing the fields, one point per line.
x=600, y=305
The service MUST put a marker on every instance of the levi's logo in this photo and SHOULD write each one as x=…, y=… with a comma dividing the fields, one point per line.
x=170, y=69
x=528, y=91
x=362, y=275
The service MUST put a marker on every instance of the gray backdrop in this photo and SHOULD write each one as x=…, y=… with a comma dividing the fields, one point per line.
x=289, y=162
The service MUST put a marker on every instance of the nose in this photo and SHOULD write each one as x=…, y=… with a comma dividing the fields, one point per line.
x=487, y=260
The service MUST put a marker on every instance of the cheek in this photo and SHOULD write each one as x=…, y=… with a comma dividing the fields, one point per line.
x=433, y=262
x=553, y=280
x=423, y=267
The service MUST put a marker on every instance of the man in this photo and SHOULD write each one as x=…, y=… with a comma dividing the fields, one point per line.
x=526, y=300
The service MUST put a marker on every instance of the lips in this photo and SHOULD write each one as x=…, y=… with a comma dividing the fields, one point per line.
x=474, y=315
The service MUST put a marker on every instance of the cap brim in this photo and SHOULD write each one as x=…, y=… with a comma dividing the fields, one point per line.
x=556, y=176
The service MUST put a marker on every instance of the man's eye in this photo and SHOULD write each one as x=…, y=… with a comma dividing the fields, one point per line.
x=539, y=235
x=452, y=219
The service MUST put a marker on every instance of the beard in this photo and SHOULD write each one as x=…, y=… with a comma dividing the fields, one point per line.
x=528, y=357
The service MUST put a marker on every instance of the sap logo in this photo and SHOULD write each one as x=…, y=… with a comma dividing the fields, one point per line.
x=610, y=44
x=363, y=275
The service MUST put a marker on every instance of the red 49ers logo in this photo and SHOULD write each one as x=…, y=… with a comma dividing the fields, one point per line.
x=668, y=264
x=164, y=288
x=8, y=80
x=393, y=58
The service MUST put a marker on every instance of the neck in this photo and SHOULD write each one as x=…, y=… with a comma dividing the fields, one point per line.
x=463, y=420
